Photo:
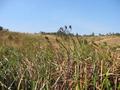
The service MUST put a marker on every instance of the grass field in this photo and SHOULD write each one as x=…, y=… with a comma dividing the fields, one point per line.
x=51, y=62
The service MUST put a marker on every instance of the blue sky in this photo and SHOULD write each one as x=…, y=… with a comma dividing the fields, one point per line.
x=85, y=16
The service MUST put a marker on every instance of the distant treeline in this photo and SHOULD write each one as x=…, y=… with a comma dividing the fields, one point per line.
x=62, y=31
x=67, y=31
x=3, y=29
x=55, y=33
x=72, y=34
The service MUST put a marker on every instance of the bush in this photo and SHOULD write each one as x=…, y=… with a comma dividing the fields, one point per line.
x=1, y=28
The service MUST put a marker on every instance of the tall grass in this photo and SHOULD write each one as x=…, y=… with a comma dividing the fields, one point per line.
x=76, y=63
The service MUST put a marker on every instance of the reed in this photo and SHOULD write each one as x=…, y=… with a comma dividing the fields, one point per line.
x=76, y=63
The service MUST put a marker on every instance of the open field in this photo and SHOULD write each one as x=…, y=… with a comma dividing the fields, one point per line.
x=51, y=62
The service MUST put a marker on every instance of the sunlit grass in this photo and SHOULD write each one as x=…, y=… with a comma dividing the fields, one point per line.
x=39, y=62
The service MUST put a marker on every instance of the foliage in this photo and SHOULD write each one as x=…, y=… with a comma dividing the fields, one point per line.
x=1, y=28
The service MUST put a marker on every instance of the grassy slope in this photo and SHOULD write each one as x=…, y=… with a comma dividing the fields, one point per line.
x=34, y=61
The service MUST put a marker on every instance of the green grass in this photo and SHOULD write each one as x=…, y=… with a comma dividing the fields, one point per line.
x=39, y=62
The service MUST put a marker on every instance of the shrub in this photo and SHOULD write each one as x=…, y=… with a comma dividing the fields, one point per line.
x=1, y=28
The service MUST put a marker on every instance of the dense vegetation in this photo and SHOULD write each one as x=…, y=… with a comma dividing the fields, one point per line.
x=63, y=62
